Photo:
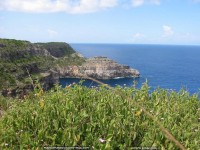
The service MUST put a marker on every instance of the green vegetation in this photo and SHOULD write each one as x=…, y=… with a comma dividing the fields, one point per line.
x=11, y=45
x=58, y=49
x=69, y=61
x=99, y=118
x=17, y=58
x=13, y=72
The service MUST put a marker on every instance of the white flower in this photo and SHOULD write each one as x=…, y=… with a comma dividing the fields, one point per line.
x=102, y=140
x=6, y=144
x=162, y=118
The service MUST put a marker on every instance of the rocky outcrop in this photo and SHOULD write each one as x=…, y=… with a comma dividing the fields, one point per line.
x=49, y=79
x=104, y=68
x=98, y=68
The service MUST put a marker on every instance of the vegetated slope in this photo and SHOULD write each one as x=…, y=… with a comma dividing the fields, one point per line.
x=100, y=118
x=58, y=49
x=18, y=59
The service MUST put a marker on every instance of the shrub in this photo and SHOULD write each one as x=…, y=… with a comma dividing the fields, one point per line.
x=100, y=118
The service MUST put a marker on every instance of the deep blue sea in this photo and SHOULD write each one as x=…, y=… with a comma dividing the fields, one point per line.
x=166, y=66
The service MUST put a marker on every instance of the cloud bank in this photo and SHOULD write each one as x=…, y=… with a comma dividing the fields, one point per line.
x=68, y=6
x=48, y=6
x=71, y=6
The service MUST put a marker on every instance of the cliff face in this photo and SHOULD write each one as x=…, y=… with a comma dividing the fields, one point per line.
x=98, y=68
x=104, y=68
x=22, y=61
x=58, y=49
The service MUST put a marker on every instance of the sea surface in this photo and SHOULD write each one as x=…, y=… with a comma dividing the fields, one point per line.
x=165, y=66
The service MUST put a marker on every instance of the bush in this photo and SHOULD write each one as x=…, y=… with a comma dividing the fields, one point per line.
x=100, y=118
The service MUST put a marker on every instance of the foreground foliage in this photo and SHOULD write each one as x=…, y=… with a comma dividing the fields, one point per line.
x=99, y=118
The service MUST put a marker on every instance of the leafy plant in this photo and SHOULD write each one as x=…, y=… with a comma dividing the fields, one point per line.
x=101, y=119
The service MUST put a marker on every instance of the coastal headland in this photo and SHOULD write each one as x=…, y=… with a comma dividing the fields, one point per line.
x=22, y=63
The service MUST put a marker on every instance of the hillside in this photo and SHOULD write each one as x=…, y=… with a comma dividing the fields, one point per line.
x=22, y=63
x=21, y=59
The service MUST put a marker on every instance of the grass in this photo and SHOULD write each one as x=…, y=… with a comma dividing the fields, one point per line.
x=99, y=118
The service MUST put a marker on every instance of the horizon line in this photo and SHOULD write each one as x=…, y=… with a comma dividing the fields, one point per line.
x=105, y=43
x=135, y=44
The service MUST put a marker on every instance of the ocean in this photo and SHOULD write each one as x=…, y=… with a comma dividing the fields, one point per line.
x=170, y=67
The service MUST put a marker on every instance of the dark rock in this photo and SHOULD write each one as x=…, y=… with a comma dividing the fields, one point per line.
x=17, y=92
x=49, y=79
x=2, y=45
x=31, y=68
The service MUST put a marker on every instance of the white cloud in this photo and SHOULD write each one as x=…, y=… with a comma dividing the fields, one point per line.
x=46, y=6
x=167, y=31
x=52, y=33
x=138, y=35
x=137, y=3
x=108, y=3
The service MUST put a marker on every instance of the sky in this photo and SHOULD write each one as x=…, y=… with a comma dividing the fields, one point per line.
x=102, y=21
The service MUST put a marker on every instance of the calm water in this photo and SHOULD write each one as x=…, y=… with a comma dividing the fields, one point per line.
x=169, y=67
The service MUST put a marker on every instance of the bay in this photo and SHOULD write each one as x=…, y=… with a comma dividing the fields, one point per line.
x=165, y=66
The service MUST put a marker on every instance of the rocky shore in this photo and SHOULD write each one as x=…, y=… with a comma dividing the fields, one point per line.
x=105, y=68
x=96, y=67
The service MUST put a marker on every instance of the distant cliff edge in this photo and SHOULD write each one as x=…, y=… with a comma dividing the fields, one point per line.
x=22, y=63
x=98, y=68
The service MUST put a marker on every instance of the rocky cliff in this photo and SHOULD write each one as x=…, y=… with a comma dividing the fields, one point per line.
x=22, y=63
x=98, y=68
x=105, y=68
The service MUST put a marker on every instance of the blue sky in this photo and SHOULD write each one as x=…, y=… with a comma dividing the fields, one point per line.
x=102, y=21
